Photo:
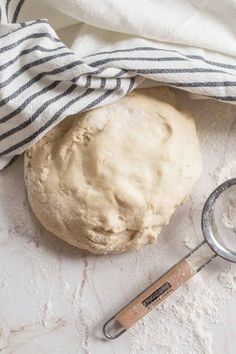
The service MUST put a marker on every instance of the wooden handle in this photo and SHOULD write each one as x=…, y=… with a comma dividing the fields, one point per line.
x=156, y=293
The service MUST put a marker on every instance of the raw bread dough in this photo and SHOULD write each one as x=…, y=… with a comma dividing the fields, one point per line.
x=108, y=179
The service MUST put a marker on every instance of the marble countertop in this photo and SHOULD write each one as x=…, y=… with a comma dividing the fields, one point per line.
x=55, y=299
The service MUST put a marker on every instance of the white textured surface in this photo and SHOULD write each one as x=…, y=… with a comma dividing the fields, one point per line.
x=54, y=299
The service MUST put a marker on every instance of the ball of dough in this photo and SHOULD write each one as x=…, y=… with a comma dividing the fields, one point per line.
x=108, y=179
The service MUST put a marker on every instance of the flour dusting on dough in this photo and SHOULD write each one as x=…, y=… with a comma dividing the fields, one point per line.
x=108, y=187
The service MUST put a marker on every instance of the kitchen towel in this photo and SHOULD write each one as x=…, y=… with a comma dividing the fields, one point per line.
x=62, y=57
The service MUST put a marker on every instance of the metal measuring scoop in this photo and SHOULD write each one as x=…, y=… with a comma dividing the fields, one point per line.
x=180, y=273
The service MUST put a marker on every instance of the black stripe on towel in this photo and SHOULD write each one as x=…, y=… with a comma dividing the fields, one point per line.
x=103, y=82
x=17, y=10
x=37, y=78
x=109, y=60
x=7, y=8
x=43, y=107
x=224, y=98
x=34, y=35
x=37, y=113
x=31, y=65
x=203, y=84
x=210, y=62
x=60, y=112
x=132, y=81
x=24, y=25
x=49, y=122
x=175, y=71
x=27, y=101
x=102, y=97
x=27, y=51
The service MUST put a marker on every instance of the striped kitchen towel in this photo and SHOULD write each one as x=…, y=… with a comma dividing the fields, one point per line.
x=89, y=53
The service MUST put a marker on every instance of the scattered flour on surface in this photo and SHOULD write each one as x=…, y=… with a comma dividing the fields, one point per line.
x=76, y=299
x=65, y=286
x=225, y=172
x=190, y=242
x=228, y=279
x=180, y=322
x=47, y=314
